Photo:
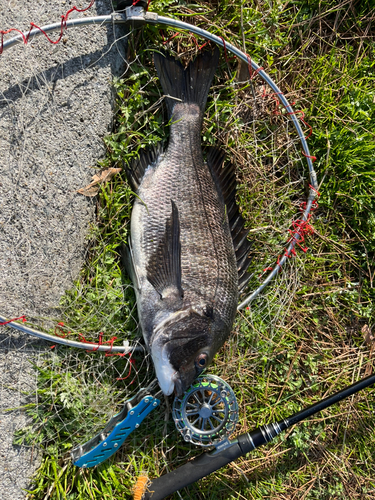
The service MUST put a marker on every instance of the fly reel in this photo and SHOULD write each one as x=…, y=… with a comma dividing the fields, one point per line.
x=207, y=413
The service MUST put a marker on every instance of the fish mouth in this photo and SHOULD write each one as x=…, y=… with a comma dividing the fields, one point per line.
x=165, y=372
x=170, y=379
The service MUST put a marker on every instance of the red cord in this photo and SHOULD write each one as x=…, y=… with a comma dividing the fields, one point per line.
x=251, y=71
x=300, y=229
x=131, y=363
x=14, y=319
x=64, y=19
x=225, y=48
x=170, y=38
x=110, y=342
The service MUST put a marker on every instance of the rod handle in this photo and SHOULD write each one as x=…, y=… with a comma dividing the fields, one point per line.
x=195, y=469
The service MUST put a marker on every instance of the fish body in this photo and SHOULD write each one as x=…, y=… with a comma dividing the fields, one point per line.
x=182, y=256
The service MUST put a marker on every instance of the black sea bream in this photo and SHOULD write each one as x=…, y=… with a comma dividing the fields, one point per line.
x=182, y=259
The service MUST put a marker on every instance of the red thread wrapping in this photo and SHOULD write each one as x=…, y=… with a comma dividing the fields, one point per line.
x=14, y=319
x=200, y=47
x=312, y=158
x=59, y=327
x=315, y=190
x=276, y=111
x=302, y=118
x=170, y=38
x=225, y=48
x=273, y=95
x=251, y=71
x=110, y=342
x=300, y=229
x=131, y=364
x=108, y=353
x=64, y=19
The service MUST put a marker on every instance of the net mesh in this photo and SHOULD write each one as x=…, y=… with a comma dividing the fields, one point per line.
x=60, y=255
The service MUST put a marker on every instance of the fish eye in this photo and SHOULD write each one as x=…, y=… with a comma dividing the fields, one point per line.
x=201, y=360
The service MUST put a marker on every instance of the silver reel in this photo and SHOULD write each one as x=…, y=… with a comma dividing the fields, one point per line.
x=207, y=413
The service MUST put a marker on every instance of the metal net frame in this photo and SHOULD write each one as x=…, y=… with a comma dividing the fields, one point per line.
x=297, y=228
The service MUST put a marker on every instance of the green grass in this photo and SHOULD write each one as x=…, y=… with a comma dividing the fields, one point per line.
x=303, y=338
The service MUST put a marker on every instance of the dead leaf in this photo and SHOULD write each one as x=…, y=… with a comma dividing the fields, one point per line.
x=106, y=175
x=243, y=71
x=369, y=338
x=89, y=190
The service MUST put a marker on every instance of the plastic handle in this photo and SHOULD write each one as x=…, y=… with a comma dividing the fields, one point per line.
x=110, y=444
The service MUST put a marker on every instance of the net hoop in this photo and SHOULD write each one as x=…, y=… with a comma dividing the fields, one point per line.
x=155, y=19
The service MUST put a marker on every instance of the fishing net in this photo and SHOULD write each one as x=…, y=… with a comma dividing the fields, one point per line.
x=60, y=250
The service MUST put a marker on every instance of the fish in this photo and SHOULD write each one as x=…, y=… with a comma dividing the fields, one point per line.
x=188, y=250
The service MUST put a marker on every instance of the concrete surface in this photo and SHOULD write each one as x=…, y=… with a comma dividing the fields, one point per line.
x=56, y=104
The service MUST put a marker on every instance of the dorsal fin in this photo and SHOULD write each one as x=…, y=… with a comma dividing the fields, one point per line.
x=137, y=168
x=164, y=266
x=225, y=179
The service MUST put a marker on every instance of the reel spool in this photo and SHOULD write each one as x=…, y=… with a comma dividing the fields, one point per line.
x=207, y=413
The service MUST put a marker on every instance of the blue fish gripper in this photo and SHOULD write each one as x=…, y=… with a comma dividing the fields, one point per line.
x=107, y=442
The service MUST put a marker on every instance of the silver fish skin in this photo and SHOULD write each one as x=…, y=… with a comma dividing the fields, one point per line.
x=181, y=250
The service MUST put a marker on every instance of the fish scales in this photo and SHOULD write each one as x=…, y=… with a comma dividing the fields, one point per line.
x=207, y=257
x=182, y=254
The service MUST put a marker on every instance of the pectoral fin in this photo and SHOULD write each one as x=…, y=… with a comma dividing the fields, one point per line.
x=164, y=267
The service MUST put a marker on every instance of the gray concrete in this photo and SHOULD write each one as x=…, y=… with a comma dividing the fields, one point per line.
x=56, y=105
x=17, y=463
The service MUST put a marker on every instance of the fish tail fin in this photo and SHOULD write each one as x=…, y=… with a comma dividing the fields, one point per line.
x=189, y=85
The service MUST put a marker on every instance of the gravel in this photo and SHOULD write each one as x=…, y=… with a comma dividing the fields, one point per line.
x=56, y=105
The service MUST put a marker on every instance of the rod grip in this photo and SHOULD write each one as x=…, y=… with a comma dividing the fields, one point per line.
x=195, y=469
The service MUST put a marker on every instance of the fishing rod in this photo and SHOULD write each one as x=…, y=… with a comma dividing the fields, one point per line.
x=228, y=451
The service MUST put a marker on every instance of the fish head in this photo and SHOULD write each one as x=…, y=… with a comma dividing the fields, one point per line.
x=181, y=349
